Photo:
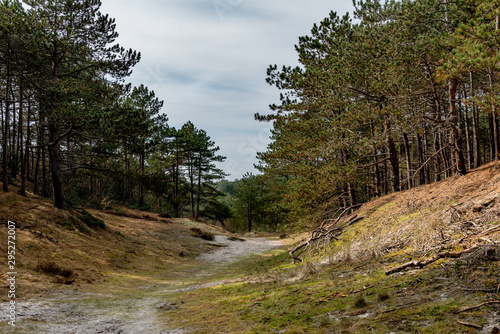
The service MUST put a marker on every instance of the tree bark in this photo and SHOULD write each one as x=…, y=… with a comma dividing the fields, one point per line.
x=475, y=126
x=55, y=165
x=393, y=158
x=5, y=144
x=408, y=161
x=495, y=138
x=455, y=136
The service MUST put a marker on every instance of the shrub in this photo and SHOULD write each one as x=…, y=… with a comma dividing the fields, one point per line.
x=202, y=234
x=53, y=269
x=91, y=221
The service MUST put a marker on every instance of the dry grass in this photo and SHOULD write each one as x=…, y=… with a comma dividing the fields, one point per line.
x=451, y=213
x=133, y=246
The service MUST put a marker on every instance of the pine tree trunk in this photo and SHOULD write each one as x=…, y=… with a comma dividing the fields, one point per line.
x=437, y=163
x=470, y=157
x=5, y=144
x=408, y=161
x=55, y=165
x=455, y=136
x=421, y=159
x=494, y=120
x=198, y=198
x=476, y=146
x=21, y=144
x=142, y=167
x=13, y=144
x=491, y=137
x=393, y=158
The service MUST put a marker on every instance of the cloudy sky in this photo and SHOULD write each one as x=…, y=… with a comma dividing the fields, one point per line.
x=207, y=60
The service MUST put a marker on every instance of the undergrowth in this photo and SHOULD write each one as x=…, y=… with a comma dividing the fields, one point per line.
x=342, y=298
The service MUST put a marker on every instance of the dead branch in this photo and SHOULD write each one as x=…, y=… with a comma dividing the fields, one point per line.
x=429, y=160
x=470, y=325
x=421, y=264
x=323, y=233
x=478, y=306
x=43, y=235
x=364, y=289
x=490, y=230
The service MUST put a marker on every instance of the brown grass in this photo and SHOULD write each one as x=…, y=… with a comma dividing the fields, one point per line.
x=417, y=222
x=134, y=244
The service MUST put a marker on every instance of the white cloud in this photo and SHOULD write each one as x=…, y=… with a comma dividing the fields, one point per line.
x=207, y=60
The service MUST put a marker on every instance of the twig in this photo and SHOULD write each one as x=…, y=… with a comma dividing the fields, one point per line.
x=490, y=230
x=470, y=325
x=364, y=289
x=398, y=308
x=481, y=290
x=478, y=306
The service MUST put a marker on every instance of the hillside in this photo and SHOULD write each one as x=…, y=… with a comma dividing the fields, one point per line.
x=132, y=245
x=141, y=273
x=342, y=286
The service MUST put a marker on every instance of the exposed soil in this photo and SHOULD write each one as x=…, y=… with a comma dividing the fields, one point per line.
x=69, y=311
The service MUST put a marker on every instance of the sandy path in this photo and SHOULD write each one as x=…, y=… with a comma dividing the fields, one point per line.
x=65, y=313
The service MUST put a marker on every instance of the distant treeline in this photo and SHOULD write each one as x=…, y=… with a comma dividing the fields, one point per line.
x=71, y=129
x=405, y=94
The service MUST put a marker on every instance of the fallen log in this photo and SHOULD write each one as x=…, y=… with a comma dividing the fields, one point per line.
x=421, y=264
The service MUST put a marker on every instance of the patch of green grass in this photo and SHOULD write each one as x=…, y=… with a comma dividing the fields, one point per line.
x=84, y=229
x=272, y=301
x=92, y=222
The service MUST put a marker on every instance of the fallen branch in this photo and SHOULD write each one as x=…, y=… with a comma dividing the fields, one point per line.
x=364, y=289
x=491, y=230
x=470, y=325
x=322, y=233
x=478, y=306
x=43, y=235
x=421, y=264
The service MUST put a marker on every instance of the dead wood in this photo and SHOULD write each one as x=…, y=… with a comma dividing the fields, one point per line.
x=324, y=233
x=478, y=306
x=421, y=264
x=469, y=325
x=364, y=289
x=43, y=235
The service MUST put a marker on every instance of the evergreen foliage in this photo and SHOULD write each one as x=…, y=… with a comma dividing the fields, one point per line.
x=74, y=131
x=405, y=96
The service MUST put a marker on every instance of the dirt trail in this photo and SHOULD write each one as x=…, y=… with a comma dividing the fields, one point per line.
x=71, y=312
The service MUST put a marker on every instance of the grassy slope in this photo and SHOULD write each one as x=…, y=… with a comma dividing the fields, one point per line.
x=134, y=247
x=350, y=292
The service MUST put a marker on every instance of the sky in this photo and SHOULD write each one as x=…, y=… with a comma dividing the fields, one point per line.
x=207, y=60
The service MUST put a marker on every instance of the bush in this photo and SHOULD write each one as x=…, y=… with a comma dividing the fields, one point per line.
x=51, y=268
x=202, y=234
x=91, y=221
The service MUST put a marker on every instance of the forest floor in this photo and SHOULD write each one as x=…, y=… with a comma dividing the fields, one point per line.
x=146, y=274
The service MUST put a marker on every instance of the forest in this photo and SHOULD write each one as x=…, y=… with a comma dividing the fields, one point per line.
x=397, y=95
x=75, y=131
x=401, y=94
